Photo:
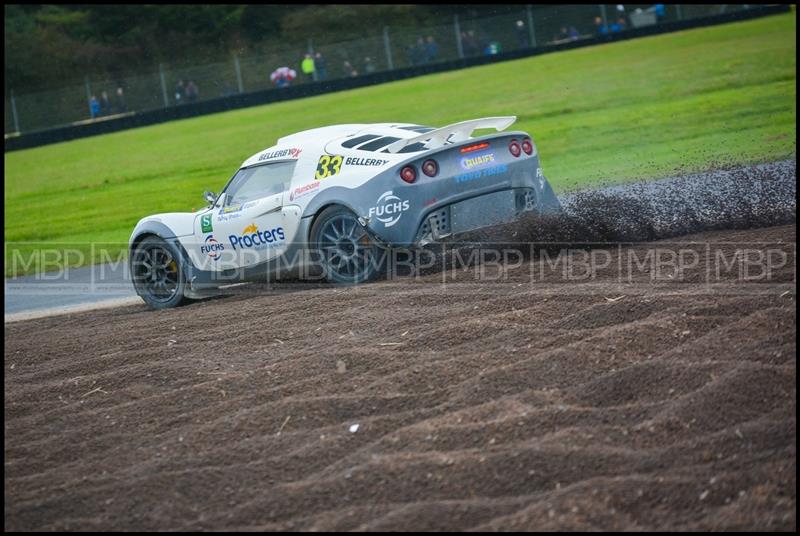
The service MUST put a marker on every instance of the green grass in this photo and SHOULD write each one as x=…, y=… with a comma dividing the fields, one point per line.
x=643, y=108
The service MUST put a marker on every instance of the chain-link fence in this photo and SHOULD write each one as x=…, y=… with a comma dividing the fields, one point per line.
x=395, y=48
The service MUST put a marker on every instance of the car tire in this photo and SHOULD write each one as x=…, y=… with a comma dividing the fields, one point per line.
x=157, y=272
x=344, y=249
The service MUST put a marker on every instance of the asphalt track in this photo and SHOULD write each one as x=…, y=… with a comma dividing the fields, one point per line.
x=711, y=193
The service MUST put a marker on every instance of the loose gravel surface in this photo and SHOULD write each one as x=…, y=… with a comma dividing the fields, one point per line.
x=638, y=398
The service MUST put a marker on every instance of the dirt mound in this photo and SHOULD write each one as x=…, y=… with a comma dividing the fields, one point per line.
x=733, y=198
x=632, y=399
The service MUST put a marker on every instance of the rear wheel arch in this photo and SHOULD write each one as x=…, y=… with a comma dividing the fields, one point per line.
x=317, y=214
x=352, y=247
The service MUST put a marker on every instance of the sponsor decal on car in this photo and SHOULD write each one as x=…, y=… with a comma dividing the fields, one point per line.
x=388, y=209
x=293, y=153
x=233, y=211
x=205, y=223
x=480, y=174
x=540, y=176
x=328, y=165
x=251, y=237
x=477, y=161
x=212, y=248
x=356, y=161
x=304, y=190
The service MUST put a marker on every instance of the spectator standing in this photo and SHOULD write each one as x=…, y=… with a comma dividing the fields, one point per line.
x=283, y=76
x=369, y=67
x=464, y=43
x=574, y=34
x=661, y=12
x=105, y=104
x=483, y=40
x=413, y=55
x=419, y=52
x=179, y=89
x=349, y=70
x=599, y=27
x=431, y=50
x=307, y=66
x=492, y=48
x=121, y=106
x=94, y=107
x=563, y=34
x=469, y=43
x=522, y=34
x=191, y=92
x=319, y=65
x=282, y=80
x=618, y=26
x=622, y=17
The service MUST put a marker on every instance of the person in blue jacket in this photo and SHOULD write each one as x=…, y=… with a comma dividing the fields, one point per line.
x=94, y=107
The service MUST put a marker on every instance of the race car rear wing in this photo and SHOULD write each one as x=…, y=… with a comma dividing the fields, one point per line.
x=453, y=133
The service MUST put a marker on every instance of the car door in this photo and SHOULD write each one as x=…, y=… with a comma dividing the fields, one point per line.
x=248, y=226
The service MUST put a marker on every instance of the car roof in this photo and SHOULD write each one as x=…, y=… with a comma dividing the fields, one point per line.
x=334, y=139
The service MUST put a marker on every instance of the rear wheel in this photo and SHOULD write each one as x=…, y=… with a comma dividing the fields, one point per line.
x=157, y=273
x=345, y=250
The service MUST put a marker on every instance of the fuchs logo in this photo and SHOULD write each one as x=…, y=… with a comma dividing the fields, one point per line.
x=212, y=247
x=477, y=161
x=251, y=237
x=293, y=152
x=300, y=191
x=388, y=209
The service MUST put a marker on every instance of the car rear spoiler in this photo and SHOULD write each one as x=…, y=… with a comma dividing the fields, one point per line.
x=453, y=133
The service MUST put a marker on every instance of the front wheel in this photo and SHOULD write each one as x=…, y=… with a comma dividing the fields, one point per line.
x=347, y=253
x=157, y=274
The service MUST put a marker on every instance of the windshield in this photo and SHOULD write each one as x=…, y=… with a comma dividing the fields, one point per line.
x=259, y=181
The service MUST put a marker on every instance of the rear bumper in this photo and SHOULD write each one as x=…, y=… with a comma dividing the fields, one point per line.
x=495, y=208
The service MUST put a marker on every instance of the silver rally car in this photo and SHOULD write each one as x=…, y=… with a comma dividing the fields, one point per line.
x=334, y=200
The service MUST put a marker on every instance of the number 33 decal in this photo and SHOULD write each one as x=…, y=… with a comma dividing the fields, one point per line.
x=328, y=165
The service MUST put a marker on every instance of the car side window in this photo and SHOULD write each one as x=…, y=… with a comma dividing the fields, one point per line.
x=259, y=181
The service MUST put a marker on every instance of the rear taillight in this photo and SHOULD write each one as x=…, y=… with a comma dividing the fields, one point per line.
x=514, y=148
x=527, y=146
x=430, y=168
x=408, y=174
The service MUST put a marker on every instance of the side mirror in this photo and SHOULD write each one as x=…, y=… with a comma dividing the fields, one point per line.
x=211, y=197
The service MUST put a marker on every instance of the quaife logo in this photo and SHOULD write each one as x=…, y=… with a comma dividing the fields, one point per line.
x=477, y=161
x=388, y=209
x=212, y=247
x=251, y=237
